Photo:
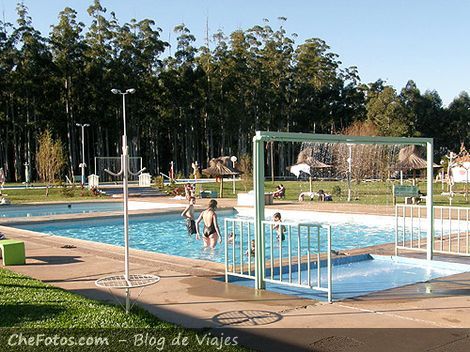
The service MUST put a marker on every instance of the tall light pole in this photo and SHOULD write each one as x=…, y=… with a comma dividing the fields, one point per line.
x=349, y=171
x=126, y=281
x=83, y=165
x=234, y=160
x=125, y=173
x=450, y=165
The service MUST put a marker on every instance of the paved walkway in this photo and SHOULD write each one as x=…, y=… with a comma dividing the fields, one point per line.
x=188, y=295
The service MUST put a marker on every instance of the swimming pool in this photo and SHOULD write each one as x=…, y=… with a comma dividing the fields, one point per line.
x=166, y=233
x=15, y=211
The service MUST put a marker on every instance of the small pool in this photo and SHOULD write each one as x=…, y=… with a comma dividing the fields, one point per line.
x=15, y=211
x=361, y=274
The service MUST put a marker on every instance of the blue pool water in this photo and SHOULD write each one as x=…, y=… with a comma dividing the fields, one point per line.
x=363, y=274
x=14, y=211
x=167, y=234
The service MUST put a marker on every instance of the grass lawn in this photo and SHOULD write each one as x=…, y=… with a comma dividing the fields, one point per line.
x=377, y=192
x=29, y=195
x=27, y=304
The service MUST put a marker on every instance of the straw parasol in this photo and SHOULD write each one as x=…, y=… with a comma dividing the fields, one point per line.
x=409, y=159
x=306, y=163
x=219, y=167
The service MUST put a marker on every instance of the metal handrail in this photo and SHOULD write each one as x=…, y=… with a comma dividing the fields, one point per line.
x=301, y=254
x=451, y=229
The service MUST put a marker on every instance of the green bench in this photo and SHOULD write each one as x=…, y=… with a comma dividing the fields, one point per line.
x=406, y=192
x=208, y=194
x=12, y=252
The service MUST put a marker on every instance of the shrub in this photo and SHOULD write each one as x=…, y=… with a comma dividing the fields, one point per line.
x=68, y=192
x=336, y=191
x=159, y=182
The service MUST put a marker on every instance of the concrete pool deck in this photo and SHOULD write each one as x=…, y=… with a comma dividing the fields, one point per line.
x=188, y=295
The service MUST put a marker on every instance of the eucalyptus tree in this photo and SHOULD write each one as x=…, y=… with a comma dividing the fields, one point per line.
x=425, y=114
x=206, y=61
x=178, y=78
x=275, y=58
x=7, y=66
x=68, y=50
x=139, y=48
x=197, y=103
x=30, y=103
x=315, y=76
x=99, y=78
x=458, y=123
x=432, y=122
x=238, y=95
x=412, y=101
x=386, y=111
x=233, y=83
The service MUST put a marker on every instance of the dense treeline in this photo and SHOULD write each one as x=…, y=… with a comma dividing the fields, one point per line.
x=195, y=103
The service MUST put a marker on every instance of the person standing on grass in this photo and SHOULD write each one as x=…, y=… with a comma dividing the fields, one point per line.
x=188, y=214
x=211, y=231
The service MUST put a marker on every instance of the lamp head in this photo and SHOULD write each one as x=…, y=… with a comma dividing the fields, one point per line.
x=130, y=91
x=115, y=91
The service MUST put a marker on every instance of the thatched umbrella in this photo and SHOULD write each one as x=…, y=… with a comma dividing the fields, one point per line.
x=306, y=163
x=409, y=159
x=219, y=167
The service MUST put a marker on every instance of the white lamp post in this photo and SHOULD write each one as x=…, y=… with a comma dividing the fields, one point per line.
x=125, y=173
x=126, y=281
x=195, y=170
x=450, y=165
x=234, y=160
x=442, y=175
x=27, y=174
x=349, y=171
x=83, y=165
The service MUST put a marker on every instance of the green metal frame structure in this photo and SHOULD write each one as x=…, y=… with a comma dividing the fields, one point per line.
x=261, y=137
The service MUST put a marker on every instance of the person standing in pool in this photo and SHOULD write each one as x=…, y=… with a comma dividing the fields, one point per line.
x=280, y=229
x=211, y=231
x=188, y=213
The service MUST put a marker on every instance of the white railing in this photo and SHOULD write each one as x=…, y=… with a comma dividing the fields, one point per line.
x=299, y=255
x=239, y=259
x=301, y=245
x=451, y=229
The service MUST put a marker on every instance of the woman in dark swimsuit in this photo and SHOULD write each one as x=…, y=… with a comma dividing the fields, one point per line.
x=211, y=231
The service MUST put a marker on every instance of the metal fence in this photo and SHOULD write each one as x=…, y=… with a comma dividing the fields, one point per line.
x=239, y=258
x=295, y=254
x=451, y=229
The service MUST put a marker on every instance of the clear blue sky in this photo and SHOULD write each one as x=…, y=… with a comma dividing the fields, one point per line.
x=423, y=40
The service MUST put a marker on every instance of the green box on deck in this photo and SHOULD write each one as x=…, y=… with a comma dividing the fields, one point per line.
x=12, y=252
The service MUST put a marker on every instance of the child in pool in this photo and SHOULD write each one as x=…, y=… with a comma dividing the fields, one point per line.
x=188, y=214
x=252, y=249
x=280, y=229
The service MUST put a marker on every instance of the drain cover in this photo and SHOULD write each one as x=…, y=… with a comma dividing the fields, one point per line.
x=247, y=318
